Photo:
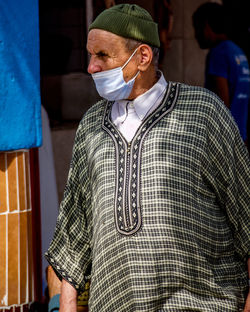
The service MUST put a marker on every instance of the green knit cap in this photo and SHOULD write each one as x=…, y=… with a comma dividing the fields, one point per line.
x=128, y=21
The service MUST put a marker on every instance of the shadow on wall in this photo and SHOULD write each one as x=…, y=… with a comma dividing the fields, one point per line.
x=66, y=97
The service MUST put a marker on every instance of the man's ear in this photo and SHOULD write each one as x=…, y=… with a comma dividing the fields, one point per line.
x=145, y=56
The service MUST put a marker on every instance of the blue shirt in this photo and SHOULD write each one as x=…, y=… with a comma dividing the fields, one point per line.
x=229, y=61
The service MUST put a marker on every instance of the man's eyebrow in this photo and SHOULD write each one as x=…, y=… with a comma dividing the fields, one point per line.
x=98, y=52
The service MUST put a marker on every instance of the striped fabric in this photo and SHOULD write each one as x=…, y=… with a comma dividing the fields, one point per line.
x=162, y=223
x=16, y=258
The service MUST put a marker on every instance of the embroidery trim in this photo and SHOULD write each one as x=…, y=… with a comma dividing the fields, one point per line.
x=128, y=210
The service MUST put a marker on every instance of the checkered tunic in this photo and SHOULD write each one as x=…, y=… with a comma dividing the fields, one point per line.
x=162, y=223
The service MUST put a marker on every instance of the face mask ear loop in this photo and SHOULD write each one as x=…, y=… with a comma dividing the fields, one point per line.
x=136, y=75
x=130, y=58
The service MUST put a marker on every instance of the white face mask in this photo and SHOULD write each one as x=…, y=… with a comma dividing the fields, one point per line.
x=111, y=85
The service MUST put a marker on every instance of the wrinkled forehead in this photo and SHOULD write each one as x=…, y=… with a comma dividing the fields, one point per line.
x=103, y=37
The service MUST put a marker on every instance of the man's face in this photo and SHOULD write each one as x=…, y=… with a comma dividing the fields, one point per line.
x=108, y=51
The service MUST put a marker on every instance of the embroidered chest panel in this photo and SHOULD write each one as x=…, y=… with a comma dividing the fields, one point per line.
x=128, y=211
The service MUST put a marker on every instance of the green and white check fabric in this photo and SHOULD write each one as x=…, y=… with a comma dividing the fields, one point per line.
x=160, y=223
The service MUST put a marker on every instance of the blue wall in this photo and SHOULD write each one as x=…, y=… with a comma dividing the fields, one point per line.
x=20, y=107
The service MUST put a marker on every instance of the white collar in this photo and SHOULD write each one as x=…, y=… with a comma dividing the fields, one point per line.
x=143, y=103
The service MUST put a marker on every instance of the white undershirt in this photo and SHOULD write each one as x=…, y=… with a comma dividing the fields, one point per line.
x=128, y=115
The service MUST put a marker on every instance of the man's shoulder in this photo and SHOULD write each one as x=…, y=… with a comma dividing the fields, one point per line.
x=92, y=119
x=196, y=93
x=226, y=48
x=94, y=113
x=200, y=100
x=96, y=108
x=231, y=45
x=204, y=104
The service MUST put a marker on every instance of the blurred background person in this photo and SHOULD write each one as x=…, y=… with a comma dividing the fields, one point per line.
x=227, y=69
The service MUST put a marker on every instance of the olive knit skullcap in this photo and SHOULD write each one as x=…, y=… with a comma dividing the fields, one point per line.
x=128, y=21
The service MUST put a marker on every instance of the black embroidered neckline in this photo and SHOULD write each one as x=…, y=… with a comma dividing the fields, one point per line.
x=128, y=210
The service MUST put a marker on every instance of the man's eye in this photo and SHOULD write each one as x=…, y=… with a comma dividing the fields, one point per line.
x=101, y=54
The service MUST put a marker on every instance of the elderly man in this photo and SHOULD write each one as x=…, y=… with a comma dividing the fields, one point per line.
x=156, y=206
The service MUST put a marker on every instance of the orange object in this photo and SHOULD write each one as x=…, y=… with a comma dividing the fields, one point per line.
x=17, y=286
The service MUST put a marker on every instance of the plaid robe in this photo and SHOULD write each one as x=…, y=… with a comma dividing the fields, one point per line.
x=162, y=223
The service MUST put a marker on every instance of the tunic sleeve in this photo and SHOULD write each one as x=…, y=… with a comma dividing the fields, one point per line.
x=69, y=252
x=226, y=167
